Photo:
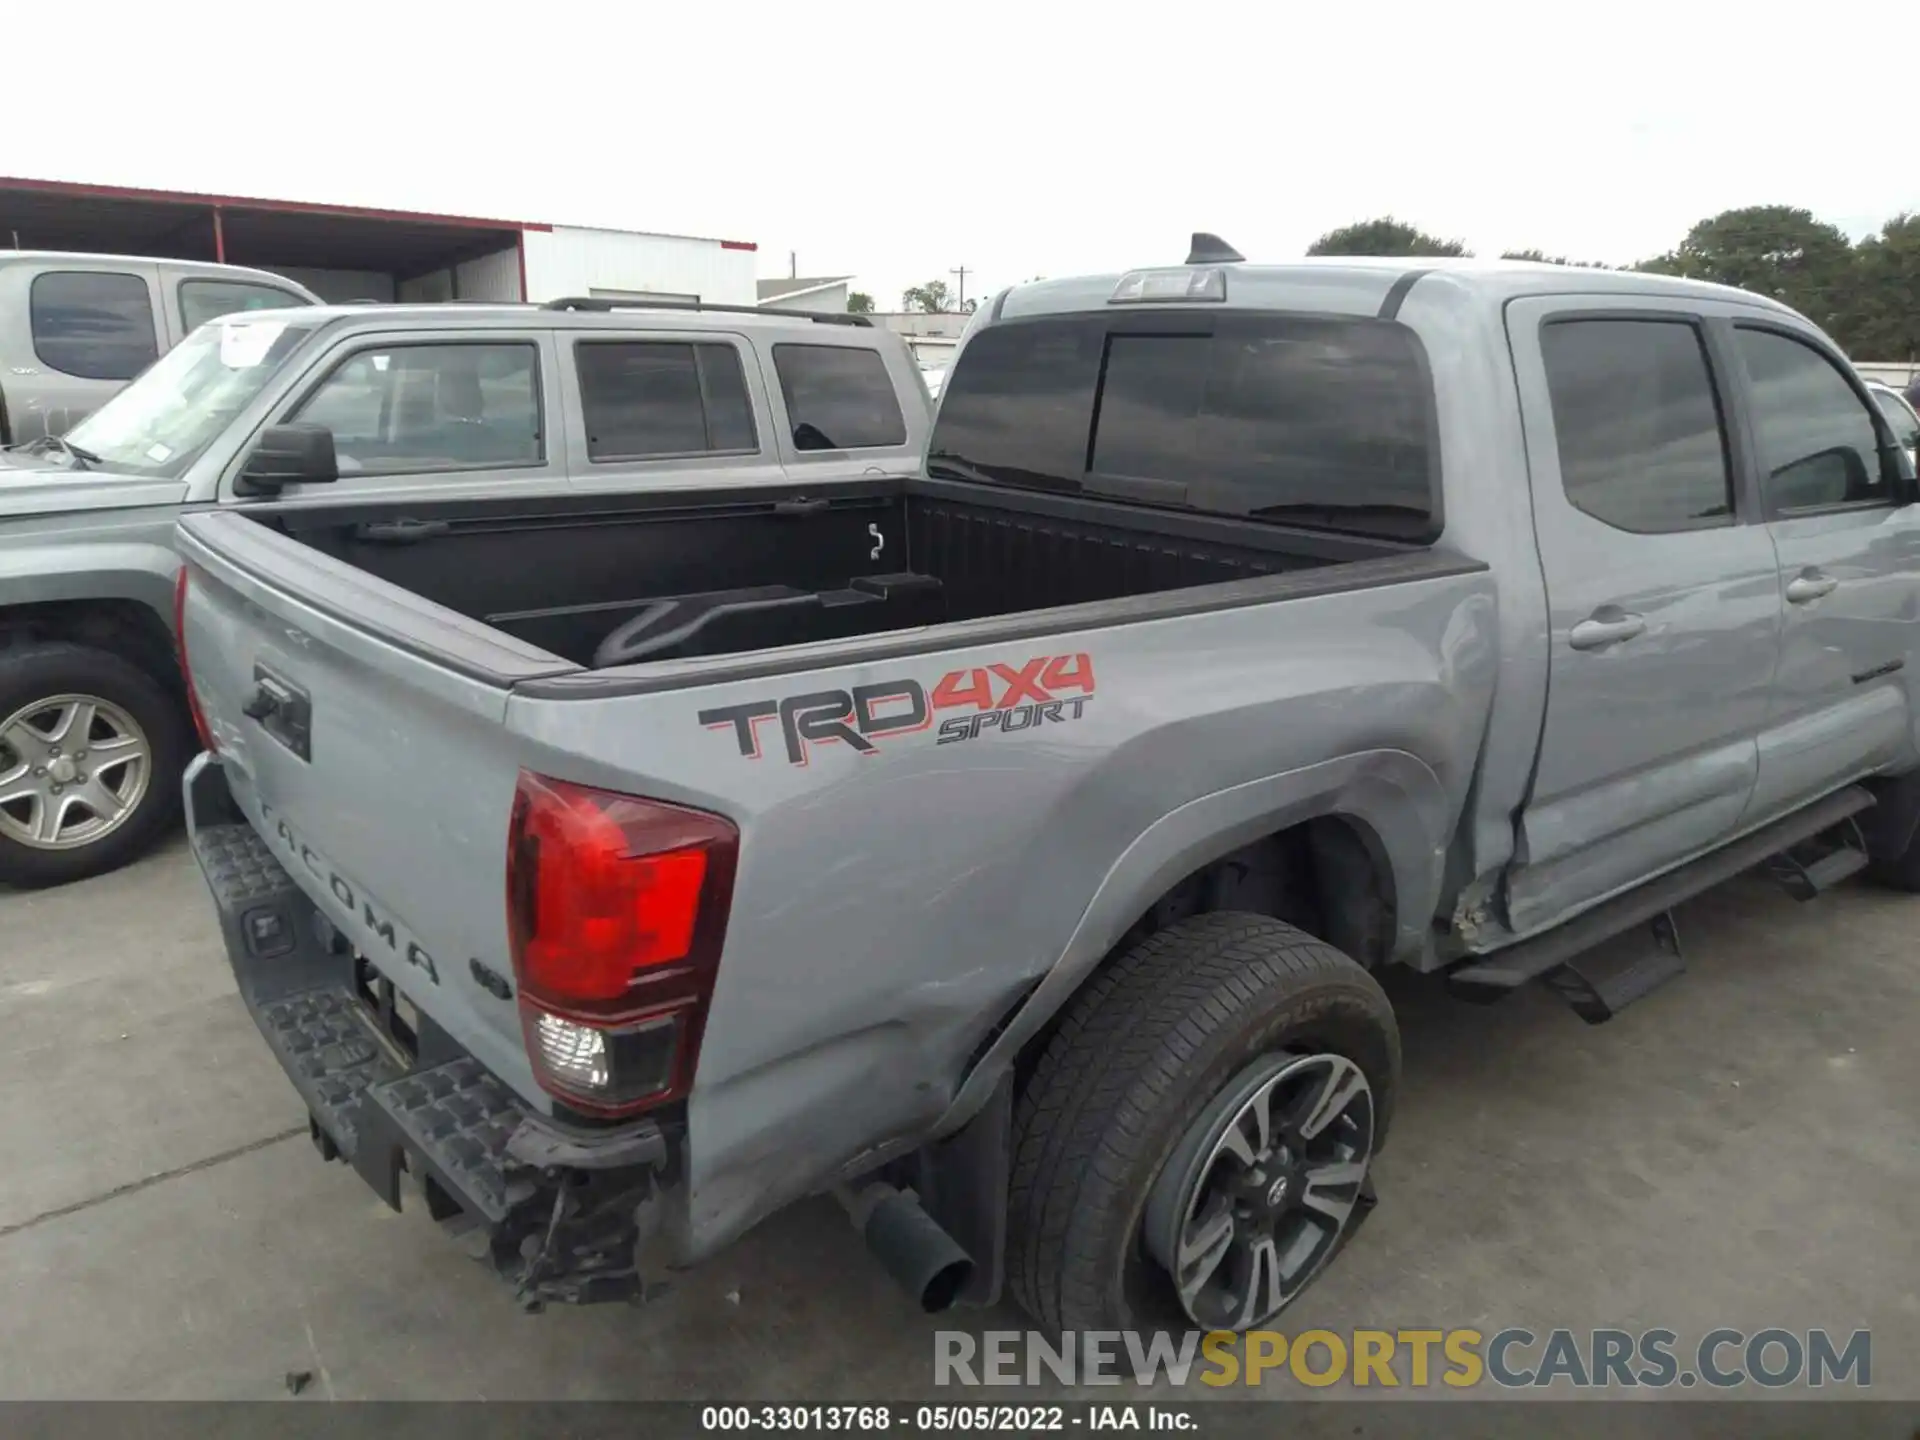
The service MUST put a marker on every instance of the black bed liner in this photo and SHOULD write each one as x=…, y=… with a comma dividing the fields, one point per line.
x=674, y=588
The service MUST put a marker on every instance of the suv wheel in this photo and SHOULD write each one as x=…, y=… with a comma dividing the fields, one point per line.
x=1193, y=1145
x=91, y=751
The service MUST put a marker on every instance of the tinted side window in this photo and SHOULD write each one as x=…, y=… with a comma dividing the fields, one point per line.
x=652, y=398
x=838, y=397
x=1638, y=424
x=95, y=325
x=204, y=300
x=1818, y=445
x=408, y=408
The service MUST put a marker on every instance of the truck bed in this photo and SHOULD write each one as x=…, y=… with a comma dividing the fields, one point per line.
x=600, y=582
x=1188, y=683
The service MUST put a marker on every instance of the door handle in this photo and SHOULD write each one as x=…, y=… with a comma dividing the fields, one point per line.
x=1608, y=625
x=1809, y=585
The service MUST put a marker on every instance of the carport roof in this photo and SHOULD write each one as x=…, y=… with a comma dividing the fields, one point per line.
x=62, y=215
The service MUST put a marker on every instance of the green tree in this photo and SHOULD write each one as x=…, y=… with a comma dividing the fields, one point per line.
x=1882, y=320
x=1773, y=250
x=859, y=303
x=1385, y=236
x=932, y=298
x=1545, y=259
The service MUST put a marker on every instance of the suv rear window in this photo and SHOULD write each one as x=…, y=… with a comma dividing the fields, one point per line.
x=839, y=397
x=1317, y=421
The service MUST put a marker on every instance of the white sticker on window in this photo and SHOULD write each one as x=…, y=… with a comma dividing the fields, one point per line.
x=158, y=453
x=244, y=345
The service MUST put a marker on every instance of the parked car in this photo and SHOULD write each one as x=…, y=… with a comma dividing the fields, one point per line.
x=425, y=403
x=1900, y=415
x=75, y=328
x=1012, y=849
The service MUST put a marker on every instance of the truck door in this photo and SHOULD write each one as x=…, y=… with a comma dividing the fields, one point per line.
x=1849, y=548
x=1663, y=597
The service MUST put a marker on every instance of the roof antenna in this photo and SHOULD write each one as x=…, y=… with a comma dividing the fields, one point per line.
x=1211, y=250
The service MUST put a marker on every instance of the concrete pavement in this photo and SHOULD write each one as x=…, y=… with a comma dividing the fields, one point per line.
x=1741, y=1149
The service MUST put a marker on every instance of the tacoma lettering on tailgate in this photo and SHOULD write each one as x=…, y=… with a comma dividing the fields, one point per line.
x=359, y=904
x=1003, y=699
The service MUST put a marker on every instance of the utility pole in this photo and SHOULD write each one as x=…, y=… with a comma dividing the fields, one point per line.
x=961, y=302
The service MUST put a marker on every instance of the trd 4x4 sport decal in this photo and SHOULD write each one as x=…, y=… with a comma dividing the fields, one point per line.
x=1004, y=698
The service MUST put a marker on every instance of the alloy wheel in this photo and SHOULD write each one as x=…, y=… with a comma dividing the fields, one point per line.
x=73, y=769
x=1255, y=1198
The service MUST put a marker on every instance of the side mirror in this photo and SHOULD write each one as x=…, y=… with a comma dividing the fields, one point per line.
x=296, y=453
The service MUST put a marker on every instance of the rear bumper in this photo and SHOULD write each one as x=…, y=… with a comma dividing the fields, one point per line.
x=565, y=1210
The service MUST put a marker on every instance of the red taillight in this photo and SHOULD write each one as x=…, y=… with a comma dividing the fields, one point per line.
x=186, y=671
x=616, y=908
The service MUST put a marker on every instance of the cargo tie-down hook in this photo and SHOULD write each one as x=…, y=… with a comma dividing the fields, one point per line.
x=879, y=542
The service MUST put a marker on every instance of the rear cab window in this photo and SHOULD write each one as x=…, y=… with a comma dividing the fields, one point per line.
x=838, y=397
x=1318, y=421
x=93, y=324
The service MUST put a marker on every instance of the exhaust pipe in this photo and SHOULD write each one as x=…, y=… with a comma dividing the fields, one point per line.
x=909, y=1244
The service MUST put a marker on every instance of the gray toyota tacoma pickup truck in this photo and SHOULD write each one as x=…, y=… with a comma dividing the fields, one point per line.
x=415, y=402
x=1011, y=849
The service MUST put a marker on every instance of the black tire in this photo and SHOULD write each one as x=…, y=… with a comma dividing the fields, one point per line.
x=1137, y=1057
x=36, y=672
x=1897, y=872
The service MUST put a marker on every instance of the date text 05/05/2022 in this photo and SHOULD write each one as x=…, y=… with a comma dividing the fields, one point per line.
x=936, y=1419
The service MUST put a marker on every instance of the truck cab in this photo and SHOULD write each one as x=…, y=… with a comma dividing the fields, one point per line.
x=76, y=328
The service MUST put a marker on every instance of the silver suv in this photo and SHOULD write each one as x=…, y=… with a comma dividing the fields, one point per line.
x=580, y=402
x=75, y=328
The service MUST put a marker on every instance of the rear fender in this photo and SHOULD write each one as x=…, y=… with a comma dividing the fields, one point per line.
x=1394, y=794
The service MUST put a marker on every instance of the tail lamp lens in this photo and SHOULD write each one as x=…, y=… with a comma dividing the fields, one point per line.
x=602, y=1069
x=616, y=909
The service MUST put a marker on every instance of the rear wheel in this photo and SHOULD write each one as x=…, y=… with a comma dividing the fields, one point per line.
x=91, y=751
x=1194, y=1142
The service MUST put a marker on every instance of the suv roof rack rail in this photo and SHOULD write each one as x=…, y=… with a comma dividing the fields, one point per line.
x=605, y=303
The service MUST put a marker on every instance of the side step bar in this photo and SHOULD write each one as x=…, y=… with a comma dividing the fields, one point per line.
x=1561, y=952
x=1807, y=870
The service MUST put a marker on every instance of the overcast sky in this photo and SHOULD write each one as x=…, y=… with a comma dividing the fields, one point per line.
x=895, y=142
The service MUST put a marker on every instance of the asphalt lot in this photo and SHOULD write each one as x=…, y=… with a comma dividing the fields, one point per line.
x=1738, y=1150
